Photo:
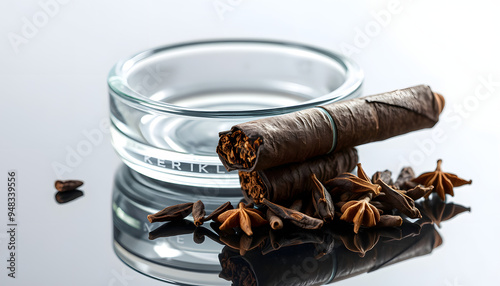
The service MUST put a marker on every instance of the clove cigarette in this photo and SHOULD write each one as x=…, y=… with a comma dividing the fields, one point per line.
x=292, y=181
x=295, y=137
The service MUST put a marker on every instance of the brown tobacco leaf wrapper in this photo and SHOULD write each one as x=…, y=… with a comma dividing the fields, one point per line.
x=295, y=137
x=292, y=181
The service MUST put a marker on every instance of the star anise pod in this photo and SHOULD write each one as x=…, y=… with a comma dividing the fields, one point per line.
x=361, y=213
x=443, y=182
x=243, y=216
x=355, y=184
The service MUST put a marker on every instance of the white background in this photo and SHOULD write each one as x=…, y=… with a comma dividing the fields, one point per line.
x=53, y=87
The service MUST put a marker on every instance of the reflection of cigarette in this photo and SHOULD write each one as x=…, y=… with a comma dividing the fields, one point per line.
x=387, y=253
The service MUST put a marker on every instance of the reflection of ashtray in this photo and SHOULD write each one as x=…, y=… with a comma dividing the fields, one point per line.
x=169, y=104
x=173, y=259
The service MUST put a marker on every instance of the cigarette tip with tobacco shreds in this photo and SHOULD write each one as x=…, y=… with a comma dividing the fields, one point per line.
x=297, y=136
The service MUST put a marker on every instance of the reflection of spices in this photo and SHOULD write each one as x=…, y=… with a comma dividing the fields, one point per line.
x=390, y=221
x=236, y=269
x=334, y=250
x=436, y=211
x=418, y=192
x=243, y=242
x=443, y=182
x=290, y=237
x=68, y=185
x=244, y=217
x=175, y=212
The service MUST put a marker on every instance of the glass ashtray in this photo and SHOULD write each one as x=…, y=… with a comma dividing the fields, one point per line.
x=169, y=104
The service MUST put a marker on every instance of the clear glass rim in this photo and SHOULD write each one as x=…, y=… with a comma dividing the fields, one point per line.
x=117, y=82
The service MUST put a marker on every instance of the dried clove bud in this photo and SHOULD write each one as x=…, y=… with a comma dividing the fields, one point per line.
x=389, y=221
x=68, y=185
x=224, y=207
x=175, y=212
x=322, y=200
x=294, y=216
x=385, y=176
x=404, y=180
x=418, y=192
x=198, y=213
x=399, y=201
x=355, y=184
